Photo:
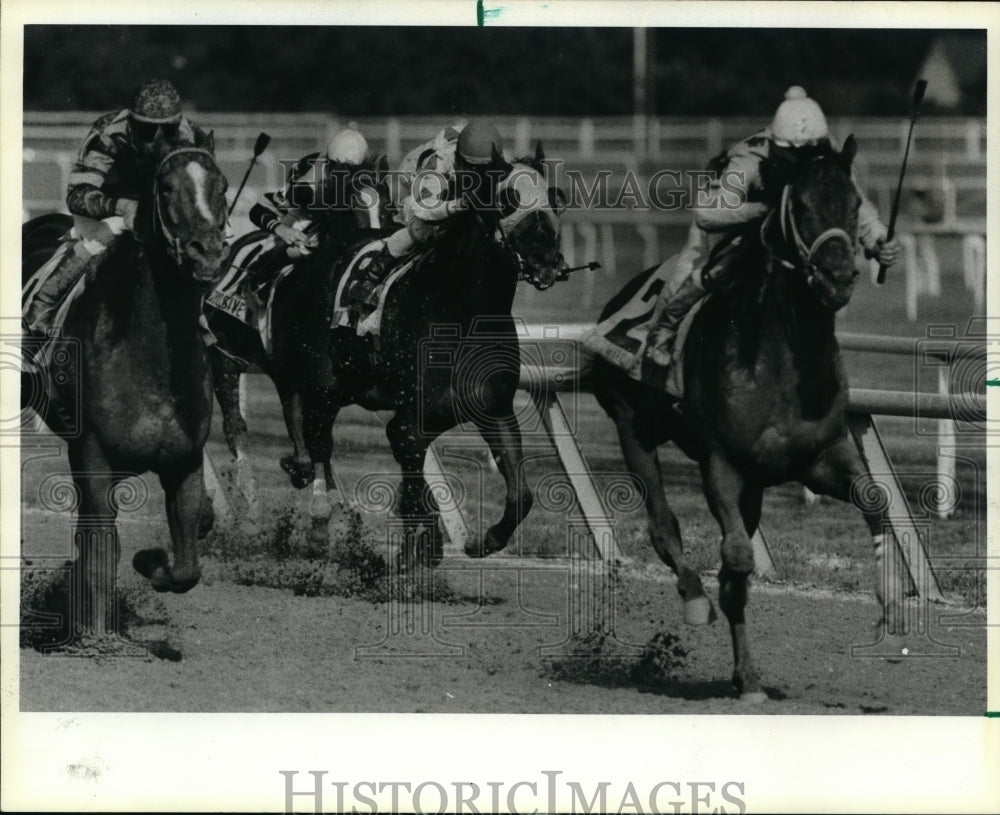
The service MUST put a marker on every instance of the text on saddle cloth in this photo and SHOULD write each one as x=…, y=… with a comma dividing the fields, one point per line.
x=233, y=295
x=623, y=337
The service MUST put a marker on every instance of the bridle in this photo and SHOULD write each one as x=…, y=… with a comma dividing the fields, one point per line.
x=174, y=246
x=804, y=254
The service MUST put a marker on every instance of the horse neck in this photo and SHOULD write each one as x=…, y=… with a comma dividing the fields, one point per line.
x=155, y=309
x=805, y=329
x=482, y=276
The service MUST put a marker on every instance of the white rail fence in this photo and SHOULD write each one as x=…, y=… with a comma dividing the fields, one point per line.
x=946, y=181
x=544, y=383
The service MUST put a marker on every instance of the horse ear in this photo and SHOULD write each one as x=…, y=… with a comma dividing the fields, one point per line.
x=205, y=140
x=849, y=150
x=539, y=154
x=383, y=164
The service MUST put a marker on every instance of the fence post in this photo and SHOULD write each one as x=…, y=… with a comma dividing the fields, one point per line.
x=393, y=141
x=575, y=466
x=898, y=516
x=587, y=138
x=945, y=443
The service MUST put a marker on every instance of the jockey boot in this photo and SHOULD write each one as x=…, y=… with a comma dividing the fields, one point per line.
x=374, y=269
x=660, y=344
x=67, y=269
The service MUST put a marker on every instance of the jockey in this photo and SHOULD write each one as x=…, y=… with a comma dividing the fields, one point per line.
x=287, y=215
x=798, y=123
x=104, y=188
x=461, y=165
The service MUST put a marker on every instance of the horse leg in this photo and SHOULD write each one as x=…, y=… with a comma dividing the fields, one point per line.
x=94, y=593
x=417, y=505
x=733, y=505
x=503, y=436
x=226, y=383
x=184, y=489
x=664, y=530
x=319, y=410
x=839, y=472
x=298, y=465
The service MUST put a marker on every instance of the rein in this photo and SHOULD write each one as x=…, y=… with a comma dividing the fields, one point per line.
x=174, y=247
x=793, y=238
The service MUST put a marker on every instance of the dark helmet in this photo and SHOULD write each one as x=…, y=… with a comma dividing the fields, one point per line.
x=156, y=102
x=478, y=141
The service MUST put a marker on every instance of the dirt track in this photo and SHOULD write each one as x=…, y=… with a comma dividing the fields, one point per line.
x=258, y=649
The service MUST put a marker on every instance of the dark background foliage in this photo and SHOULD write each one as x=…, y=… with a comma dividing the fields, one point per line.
x=402, y=70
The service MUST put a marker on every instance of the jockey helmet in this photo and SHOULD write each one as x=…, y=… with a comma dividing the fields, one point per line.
x=477, y=141
x=156, y=102
x=347, y=147
x=798, y=121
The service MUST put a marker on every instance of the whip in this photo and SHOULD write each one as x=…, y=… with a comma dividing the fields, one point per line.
x=918, y=95
x=259, y=147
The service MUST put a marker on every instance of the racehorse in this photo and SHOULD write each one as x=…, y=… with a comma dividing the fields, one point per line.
x=238, y=346
x=142, y=388
x=448, y=353
x=765, y=393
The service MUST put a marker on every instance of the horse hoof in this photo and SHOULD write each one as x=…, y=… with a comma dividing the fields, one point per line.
x=699, y=611
x=300, y=476
x=489, y=545
x=148, y=562
x=184, y=580
x=756, y=697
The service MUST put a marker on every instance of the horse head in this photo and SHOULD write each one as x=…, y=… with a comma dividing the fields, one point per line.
x=816, y=218
x=188, y=206
x=530, y=210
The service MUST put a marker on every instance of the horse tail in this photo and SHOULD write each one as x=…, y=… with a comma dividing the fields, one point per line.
x=39, y=240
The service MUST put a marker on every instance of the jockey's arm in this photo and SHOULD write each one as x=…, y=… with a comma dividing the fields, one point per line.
x=430, y=198
x=872, y=233
x=732, y=197
x=273, y=214
x=85, y=195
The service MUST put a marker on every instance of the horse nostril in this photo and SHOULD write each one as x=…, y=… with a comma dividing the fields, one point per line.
x=196, y=249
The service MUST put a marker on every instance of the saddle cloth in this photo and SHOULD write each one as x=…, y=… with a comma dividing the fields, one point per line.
x=348, y=314
x=232, y=293
x=623, y=337
x=43, y=358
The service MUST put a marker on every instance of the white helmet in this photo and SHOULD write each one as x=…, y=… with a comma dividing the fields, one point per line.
x=799, y=120
x=347, y=147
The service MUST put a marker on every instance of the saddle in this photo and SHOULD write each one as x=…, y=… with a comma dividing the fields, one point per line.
x=366, y=320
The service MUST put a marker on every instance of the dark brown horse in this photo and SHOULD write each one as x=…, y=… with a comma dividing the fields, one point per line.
x=238, y=346
x=765, y=391
x=448, y=353
x=143, y=387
